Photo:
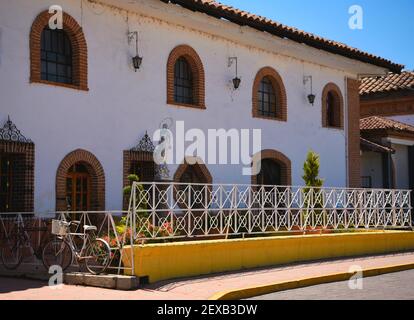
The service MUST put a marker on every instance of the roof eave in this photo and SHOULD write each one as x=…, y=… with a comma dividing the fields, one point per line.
x=281, y=32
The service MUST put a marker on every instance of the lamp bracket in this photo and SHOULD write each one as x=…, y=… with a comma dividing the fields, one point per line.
x=231, y=60
x=132, y=35
x=306, y=79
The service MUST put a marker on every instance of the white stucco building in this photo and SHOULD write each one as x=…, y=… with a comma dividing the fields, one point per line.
x=76, y=95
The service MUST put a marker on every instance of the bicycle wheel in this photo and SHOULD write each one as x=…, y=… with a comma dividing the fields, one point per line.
x=98, y=256
x=11, y=253
x=57, y=252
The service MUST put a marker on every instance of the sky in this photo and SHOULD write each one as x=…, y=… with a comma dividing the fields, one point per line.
x=387, y=26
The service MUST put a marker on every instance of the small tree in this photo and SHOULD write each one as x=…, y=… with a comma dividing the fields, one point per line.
x=312, y=180
x=311, y=170
x=121, y=226
x=131, y=179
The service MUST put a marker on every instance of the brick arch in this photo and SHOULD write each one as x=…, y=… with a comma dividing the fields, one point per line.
x=339, y=105
x=79, y=51
x=197, y=69
x=281, y=159
x=96, y=171
x=200, y=167
x=278, y=86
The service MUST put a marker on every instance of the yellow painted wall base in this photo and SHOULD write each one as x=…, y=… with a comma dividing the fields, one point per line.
x=184, y=259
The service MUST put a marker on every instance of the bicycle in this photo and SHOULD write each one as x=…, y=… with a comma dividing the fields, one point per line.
x=14, y=244
x=95, y=253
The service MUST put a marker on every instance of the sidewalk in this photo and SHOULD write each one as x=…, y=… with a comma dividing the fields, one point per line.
x=197, y=288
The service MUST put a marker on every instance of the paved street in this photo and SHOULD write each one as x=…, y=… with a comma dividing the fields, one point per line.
x=392, y=286
x=204, y=287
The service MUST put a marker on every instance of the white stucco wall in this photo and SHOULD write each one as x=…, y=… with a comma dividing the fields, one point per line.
x=400, y=159
x=122, y=104
x=371, y=166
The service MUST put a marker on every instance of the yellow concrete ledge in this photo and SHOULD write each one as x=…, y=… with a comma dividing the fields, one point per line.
x=250, y=292
x=185, y=259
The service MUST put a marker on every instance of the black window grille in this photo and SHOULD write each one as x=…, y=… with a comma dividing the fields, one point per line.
x=6, y=177
x=183, y=82
x=56, y=56
x=267, y=98
x=145, y=170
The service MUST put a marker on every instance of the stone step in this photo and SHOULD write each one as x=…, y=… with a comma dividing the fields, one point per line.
x=109, y=281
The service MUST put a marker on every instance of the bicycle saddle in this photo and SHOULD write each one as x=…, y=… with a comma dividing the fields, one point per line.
x=89, y=228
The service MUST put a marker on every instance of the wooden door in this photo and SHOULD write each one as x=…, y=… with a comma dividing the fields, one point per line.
x=78, y=185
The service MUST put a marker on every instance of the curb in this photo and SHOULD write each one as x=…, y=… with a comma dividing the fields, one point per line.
x=250, y=292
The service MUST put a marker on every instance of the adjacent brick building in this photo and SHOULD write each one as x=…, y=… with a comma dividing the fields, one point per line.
x=387, y=131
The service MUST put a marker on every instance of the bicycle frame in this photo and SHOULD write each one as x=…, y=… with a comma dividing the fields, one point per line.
x=86, y=239
x=21, y=233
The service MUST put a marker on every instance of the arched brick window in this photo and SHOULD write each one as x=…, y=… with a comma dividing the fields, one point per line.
x=88, y=167
x=269, y=95
x=273, y=164
x=185, y=78
x=193, y=173
x=332, y=107
x=58, y=57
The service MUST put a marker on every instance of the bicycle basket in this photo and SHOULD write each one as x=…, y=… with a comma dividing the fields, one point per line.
x=59, y=228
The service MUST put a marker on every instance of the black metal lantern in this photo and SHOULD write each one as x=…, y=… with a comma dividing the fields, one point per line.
x=311, y=98
x=236, y=80
x=137, y=60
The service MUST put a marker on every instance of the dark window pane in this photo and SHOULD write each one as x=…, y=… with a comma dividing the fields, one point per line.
x=270, y=173
x=85, y=201
x=69, y=184
x=56, y=56
x=332, y=110
x=51, y=68
x=267, y=98
x=183, y=82
x=51, y=77
x=85, y=184
x=4, y=184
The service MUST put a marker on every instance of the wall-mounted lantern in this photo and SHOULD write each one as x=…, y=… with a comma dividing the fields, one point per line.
x=311, y=96
x=137, y=59
x=236, y=80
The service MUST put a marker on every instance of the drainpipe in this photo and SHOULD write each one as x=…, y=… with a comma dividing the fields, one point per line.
x=346, y=124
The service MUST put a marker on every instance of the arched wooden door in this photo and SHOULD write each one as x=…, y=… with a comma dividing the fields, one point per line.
x=78, y=188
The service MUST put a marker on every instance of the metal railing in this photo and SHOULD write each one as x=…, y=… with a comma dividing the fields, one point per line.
x=173, y=210
x=36, y=226
x=159, y=211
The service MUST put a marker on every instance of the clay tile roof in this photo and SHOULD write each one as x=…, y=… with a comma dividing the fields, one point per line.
x=380, y=123
x=243, y=18
x=388, y=83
